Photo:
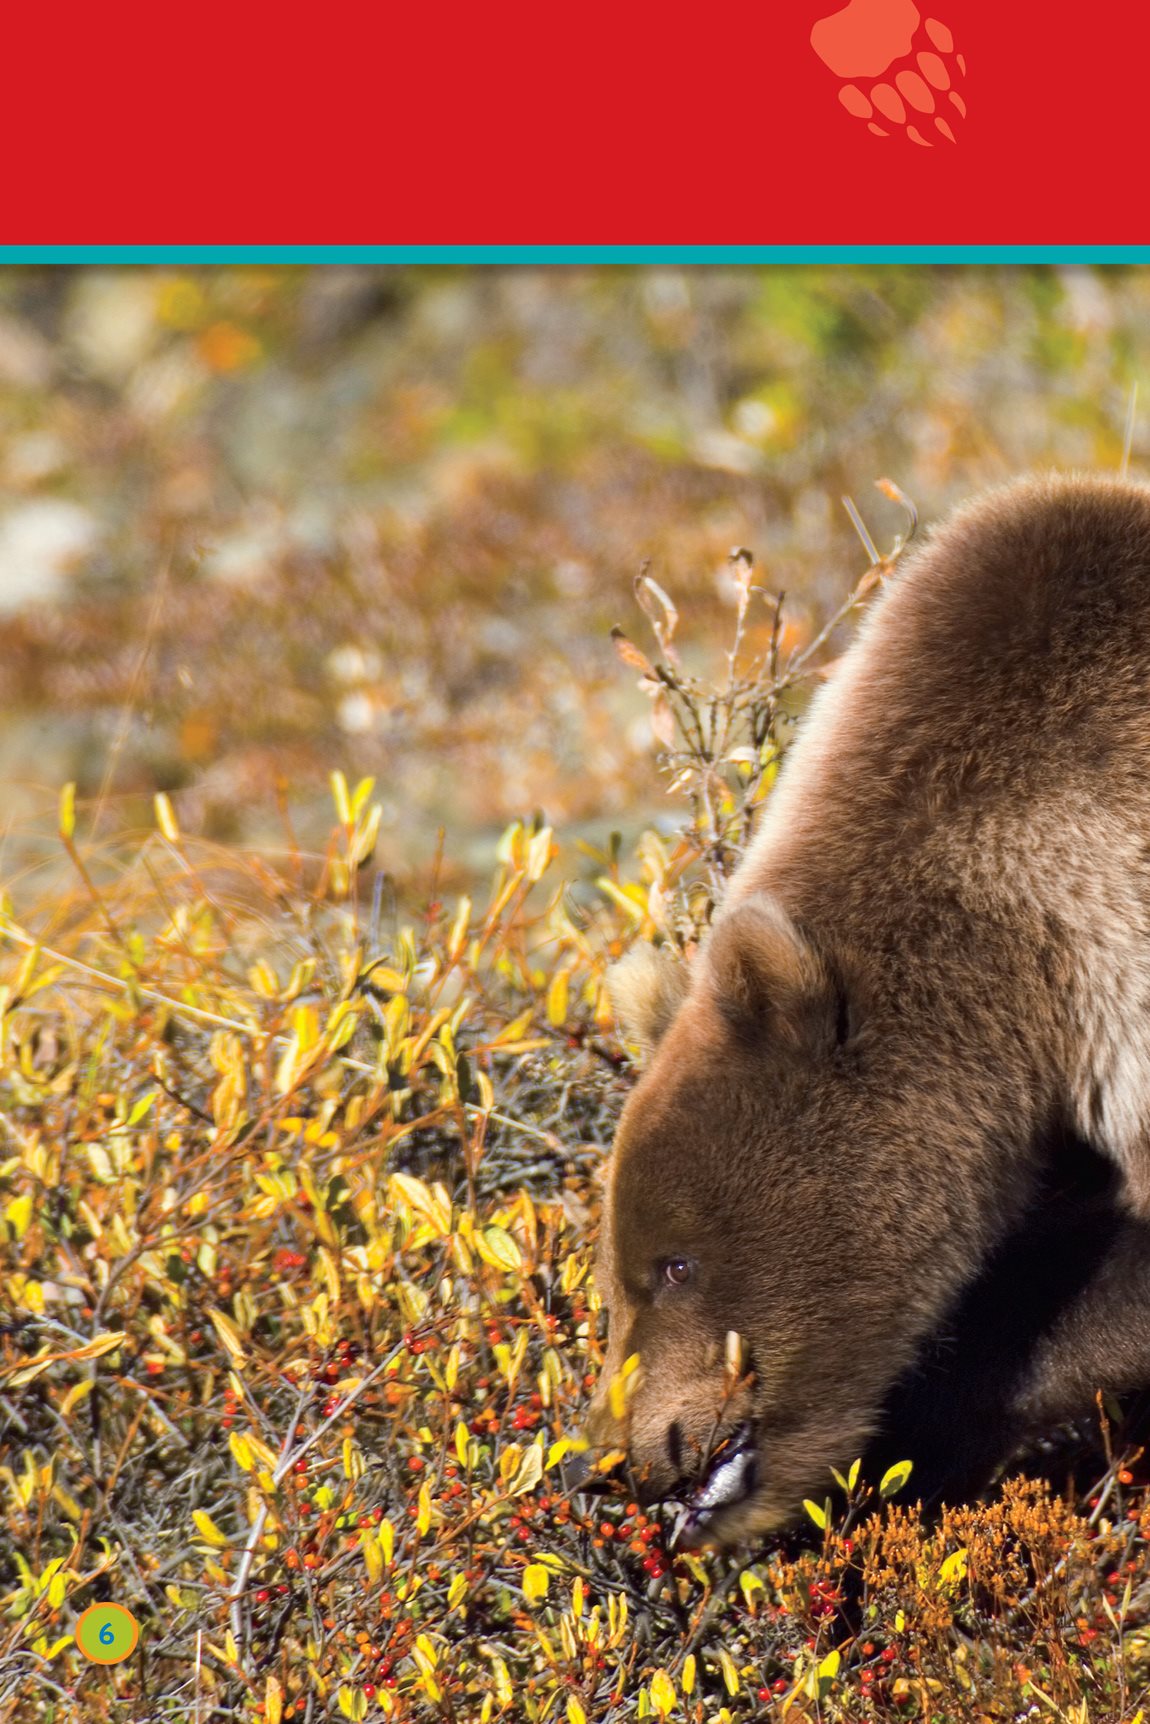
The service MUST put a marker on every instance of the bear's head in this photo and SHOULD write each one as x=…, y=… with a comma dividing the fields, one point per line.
x=765, y=1248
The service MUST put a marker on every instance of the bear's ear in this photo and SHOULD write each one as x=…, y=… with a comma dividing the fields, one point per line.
x=768, y=981
x=646, y=989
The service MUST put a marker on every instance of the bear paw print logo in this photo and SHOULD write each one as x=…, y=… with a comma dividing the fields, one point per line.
x=901, y=74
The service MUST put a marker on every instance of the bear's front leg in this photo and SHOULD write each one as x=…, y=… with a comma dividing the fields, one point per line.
x=1100, y=1340
x=1060, y=1311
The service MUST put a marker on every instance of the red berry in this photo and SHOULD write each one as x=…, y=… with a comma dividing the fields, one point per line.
x=262, y=1596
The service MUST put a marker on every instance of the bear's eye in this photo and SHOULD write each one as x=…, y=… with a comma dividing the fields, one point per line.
x=676, y=1270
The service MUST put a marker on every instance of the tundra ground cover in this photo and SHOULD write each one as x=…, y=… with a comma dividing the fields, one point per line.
x=297, y=1199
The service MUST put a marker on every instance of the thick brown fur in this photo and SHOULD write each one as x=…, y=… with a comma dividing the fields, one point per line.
x=930, y=975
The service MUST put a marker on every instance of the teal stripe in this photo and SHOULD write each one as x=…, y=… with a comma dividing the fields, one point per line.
x=572, y=254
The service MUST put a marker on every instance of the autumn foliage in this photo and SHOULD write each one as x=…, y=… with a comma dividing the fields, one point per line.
x=297, y=1205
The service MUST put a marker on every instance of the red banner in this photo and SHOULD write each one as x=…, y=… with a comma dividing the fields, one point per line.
x=950, y=122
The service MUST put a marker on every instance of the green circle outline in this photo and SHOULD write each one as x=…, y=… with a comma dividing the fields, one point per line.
x=117, y=1657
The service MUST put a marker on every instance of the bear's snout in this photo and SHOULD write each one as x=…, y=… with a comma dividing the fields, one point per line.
x=671, y=1441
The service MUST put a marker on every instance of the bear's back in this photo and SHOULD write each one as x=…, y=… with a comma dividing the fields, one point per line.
x=1004, y=671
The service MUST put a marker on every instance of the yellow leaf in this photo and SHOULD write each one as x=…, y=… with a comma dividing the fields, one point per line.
x=894, y=1478
x=352, y=1703
x=19, y=1214
x=662, y=1693
x=497, y=1247
x=730, y=1674
x=18, y=1376
x=228, y=1334
x=530, y=1471
x=433, y=1204
x=536, y=1580
x=241, y=1451
x=342, y=807
x=539, y=854
x=69, y=1504
x=622, y=1386
x=636, y=911
x=688, y=1676
x=565, y=1446
x=208, y=1530
x=95, y=1349
x=166, y=818
x=504, y=1692
x=273, y=1701
x=67, y=812
x=557, y=998
x=575, y=1712
x=509, y=1462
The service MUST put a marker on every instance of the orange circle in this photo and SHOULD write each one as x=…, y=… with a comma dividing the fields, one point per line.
x=122, y=1622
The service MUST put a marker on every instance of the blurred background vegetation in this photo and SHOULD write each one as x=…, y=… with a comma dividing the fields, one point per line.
x=258, y=523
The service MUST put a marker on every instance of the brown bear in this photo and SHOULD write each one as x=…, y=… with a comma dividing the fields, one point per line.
x=893, y=1130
